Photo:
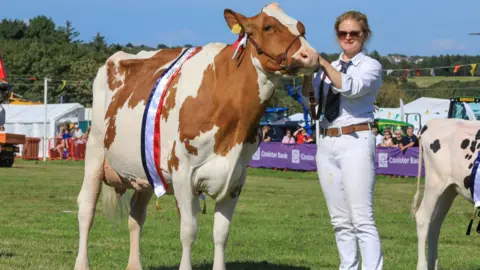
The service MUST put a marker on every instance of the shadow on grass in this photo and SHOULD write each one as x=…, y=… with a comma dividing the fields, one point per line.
x=6, y=254
x=240, y=266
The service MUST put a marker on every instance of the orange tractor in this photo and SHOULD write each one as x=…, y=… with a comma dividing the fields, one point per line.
x=8, y=141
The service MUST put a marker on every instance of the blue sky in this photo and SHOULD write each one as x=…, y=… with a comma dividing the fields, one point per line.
x=409, y=27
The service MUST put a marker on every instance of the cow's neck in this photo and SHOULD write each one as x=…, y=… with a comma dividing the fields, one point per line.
x=247, y=87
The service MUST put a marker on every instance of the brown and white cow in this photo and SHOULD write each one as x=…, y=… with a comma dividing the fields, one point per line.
x=449, y=148
x=207, y=126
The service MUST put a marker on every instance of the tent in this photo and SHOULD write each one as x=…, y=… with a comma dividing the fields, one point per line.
x=418, y=111
x=29, y=119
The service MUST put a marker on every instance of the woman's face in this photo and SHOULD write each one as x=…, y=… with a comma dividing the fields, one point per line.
x=388, y=135
x=289, y=133
x=350, y=36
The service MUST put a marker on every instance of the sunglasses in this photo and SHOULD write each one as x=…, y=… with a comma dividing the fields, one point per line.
x=353, y=34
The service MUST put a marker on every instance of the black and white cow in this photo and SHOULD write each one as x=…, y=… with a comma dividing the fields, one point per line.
x=449, y=148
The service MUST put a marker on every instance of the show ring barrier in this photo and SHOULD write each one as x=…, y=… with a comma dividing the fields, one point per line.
x=302, y=157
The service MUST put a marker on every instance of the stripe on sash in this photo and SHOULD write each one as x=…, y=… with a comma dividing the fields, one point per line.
x=150, y=141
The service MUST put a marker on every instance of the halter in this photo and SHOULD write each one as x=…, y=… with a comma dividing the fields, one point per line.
x=281, y=59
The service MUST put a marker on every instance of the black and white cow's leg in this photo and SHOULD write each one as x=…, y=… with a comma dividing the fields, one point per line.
x=188, y=205
x=223, y=217
x=136, y=219
x=443, y=206
x=432, y=192
x=88, y=196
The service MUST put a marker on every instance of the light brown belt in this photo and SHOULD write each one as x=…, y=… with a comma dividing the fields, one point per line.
x=333, y=132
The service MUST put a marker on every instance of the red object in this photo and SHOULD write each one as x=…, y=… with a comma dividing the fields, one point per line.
x=235, y=45
x=3, y=73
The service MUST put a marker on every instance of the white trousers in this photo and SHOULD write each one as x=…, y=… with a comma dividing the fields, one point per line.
x=346, y=169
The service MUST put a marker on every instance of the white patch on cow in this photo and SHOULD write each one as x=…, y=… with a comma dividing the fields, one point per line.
x=227, y=170
x=277, y=13
x=265, y=85
x=124, y=153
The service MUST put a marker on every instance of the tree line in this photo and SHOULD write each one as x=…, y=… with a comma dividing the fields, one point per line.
x=40, y=48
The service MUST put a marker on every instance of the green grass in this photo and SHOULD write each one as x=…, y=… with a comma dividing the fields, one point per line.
x=281, y=222
x=426, y=81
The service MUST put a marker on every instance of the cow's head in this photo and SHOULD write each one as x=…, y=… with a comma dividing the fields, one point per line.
x=277, y=40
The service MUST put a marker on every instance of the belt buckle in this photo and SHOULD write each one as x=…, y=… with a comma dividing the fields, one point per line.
x=340, y=133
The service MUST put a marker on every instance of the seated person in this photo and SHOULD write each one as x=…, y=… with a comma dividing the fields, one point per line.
x=409, y=140
x=388, y=140
x=288, y=138
x=302, y=136
x=378, y=136
x=266, y=134
x=398, y=137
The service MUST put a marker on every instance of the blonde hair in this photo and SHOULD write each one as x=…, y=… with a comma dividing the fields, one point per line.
x=360, y=18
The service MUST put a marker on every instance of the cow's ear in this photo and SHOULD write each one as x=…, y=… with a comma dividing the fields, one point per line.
x=233, y=18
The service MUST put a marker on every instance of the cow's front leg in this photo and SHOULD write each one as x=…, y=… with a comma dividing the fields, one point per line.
x=221, y=228
x=188, y=206
x=223, y=217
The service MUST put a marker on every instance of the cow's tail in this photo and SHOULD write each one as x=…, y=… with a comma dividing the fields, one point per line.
x=416, y=198
x=116, y=207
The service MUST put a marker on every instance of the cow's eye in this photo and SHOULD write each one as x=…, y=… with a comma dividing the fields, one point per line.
x=267, y=28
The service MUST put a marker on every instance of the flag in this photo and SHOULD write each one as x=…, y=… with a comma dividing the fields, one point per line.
x=64, y=83
x=457, y=67
x=474, y=66
x=401, y=110
x=389, y=71
x=3, y=74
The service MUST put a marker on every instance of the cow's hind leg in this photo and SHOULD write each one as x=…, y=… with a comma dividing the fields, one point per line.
x=424, y=214
x=138, y=211
x=188, y=206
x=443, y=206
x=223, y=217
x=88, y=196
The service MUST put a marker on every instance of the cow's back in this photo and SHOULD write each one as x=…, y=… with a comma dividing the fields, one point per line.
x=450, y=146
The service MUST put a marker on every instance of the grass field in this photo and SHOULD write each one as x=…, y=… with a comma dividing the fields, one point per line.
x=281, y=222
x=426, y=81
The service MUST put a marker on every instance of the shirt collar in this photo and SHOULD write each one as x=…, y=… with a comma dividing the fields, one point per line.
x=356, y=60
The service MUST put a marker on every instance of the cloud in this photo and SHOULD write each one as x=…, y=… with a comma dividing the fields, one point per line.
x=446, y=45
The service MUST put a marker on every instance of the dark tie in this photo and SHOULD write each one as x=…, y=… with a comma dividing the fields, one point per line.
x=332, y=104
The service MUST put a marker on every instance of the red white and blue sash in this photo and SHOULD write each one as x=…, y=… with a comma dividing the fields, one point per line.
x=150, y=143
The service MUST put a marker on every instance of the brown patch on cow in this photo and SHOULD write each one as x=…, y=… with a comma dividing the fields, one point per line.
x=171, y=94
x=228, y=98
x=300, y=28
x=140, y=77
x=467, y=181
x=190, y=148
x=173, y=161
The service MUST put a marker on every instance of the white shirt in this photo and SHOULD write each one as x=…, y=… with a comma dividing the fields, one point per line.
x=360, y=86
x=379, y=139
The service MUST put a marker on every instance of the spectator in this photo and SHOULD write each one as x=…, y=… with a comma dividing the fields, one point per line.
x=378, y=136
x=398, y=137
x=409, y=140
x=266, y=134
x=77, y=135
x=388, y=140
x=288, y=138
x=2, y=128
x=302, y=136
x=62, y=138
